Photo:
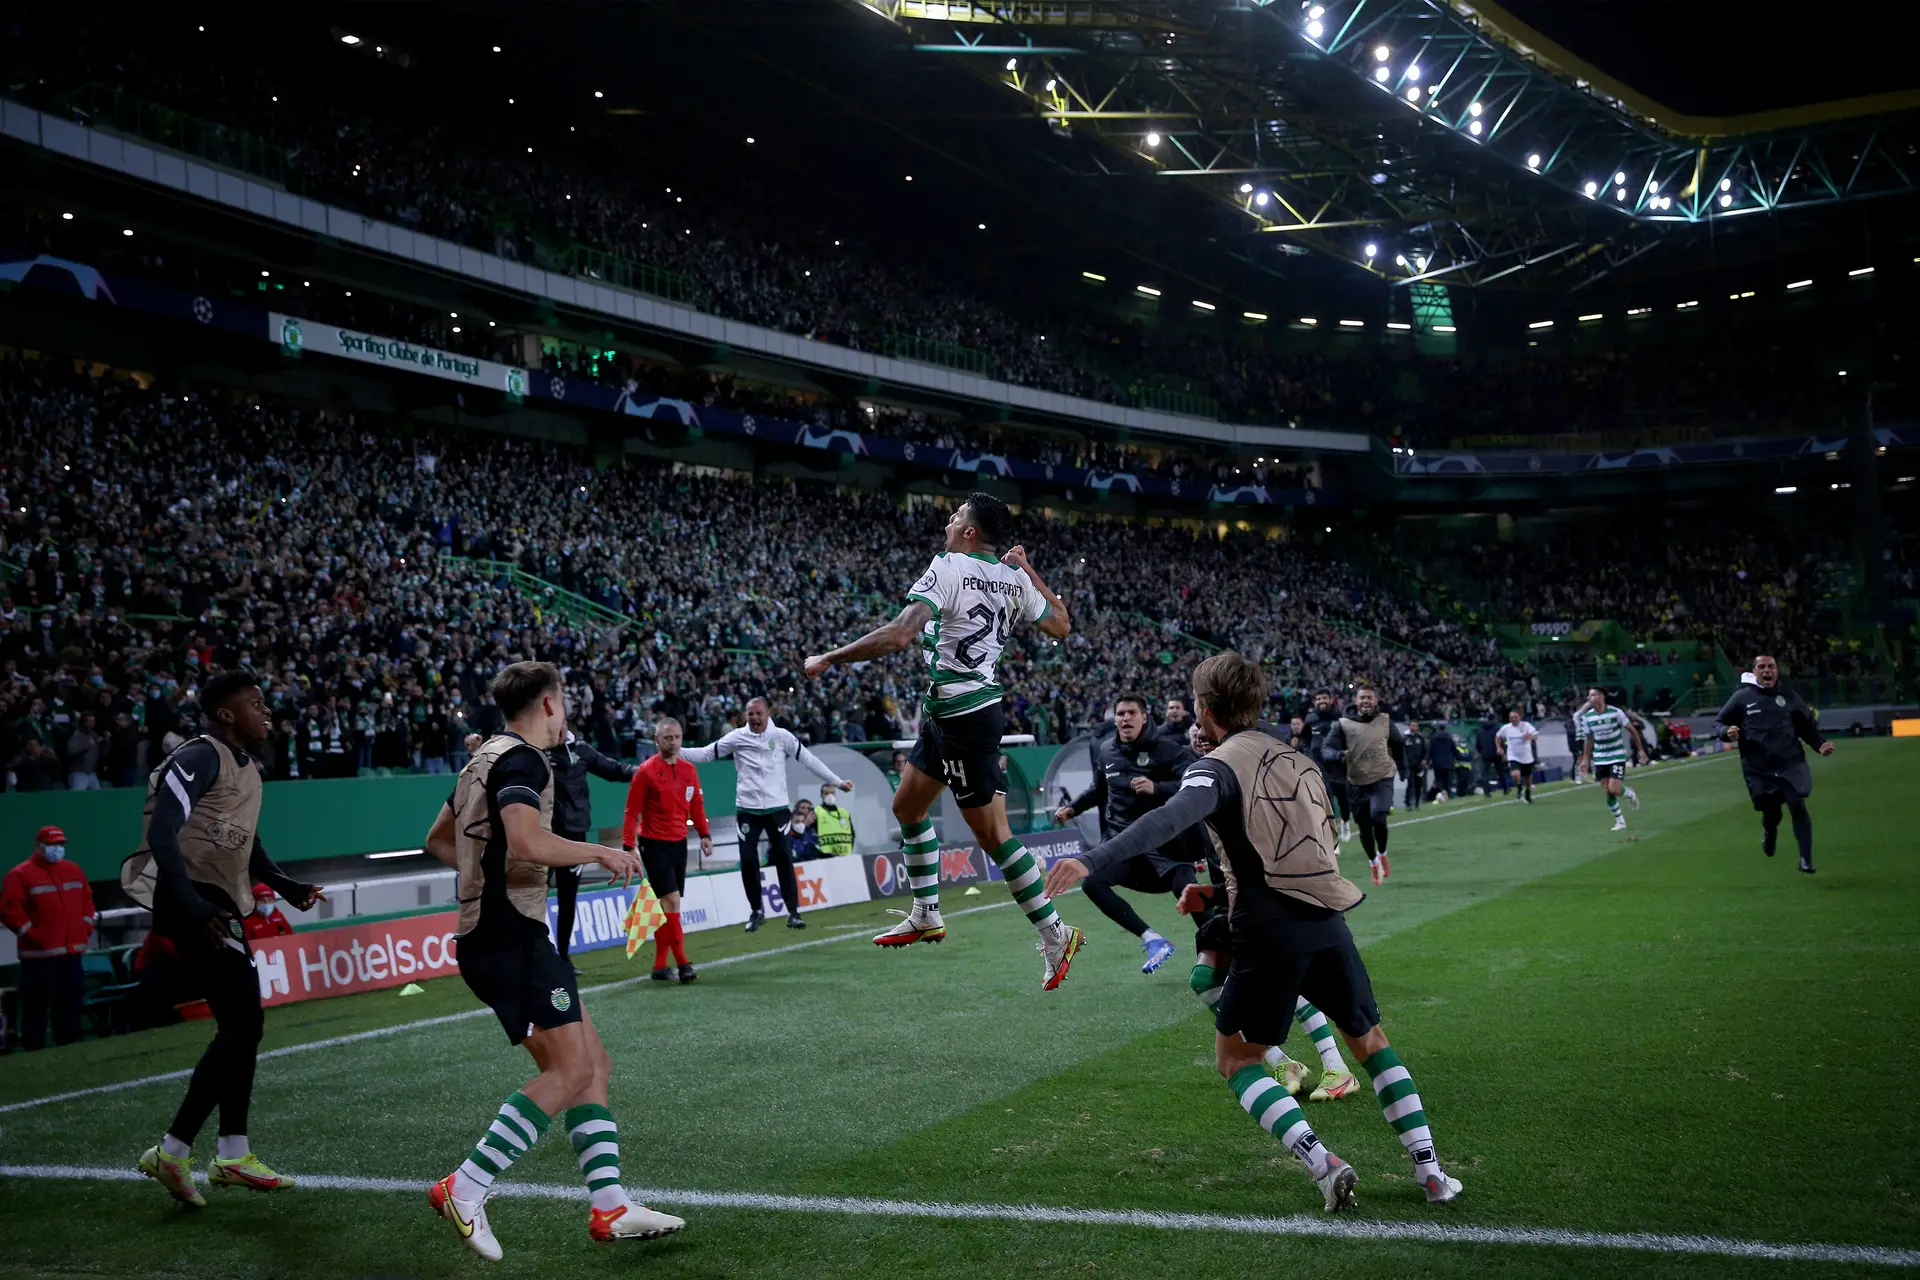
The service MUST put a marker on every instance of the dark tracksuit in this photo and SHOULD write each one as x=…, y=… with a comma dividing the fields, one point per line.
x=1413, y=766
x=1319, y=725
x=1160, y=755
x=572, y=761
x=1773, y=724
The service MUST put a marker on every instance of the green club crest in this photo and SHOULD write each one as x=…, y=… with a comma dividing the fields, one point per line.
x=561, y=1000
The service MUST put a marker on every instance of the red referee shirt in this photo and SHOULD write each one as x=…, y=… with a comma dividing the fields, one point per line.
x=661, y=797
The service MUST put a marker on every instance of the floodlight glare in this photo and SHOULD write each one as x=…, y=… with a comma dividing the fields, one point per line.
x=1153, y=139
x=1533, y=161
x=1262, y=199
x=1474, y=128
x=1246, y=188
x=349, y=39
x=1050, y=85
x=1726, y=184
x=1725, y=201
x=1591, y=188
x=1372, y=249
x=1381, y=74
x=1653, y=188
x=1314, y=29
x=1619, y=178
x=1381, y=53
x=1318, y=11
x=1474, y=109
x=1619, y=193
x=1413, y=93
x=1012, y=63
x=1413, y=73
x=1400, y=260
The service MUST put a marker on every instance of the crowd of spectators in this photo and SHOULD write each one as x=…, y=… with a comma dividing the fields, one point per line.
x=358, y=132
x=151, y=538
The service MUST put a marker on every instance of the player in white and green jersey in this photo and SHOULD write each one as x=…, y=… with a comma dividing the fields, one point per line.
x=1608, y=740
x=961, y=612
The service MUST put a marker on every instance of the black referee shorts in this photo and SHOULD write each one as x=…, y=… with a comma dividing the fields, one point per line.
x=1264, y=984
x=525, y=983
x=666, y=864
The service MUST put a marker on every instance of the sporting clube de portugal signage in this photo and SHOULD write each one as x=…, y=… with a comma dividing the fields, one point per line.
x=297, y=335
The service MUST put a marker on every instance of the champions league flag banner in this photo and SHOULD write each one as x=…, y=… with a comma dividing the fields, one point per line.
x=77, y=279
x=643, y=917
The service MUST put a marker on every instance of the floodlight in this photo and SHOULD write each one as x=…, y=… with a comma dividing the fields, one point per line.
x=1474, y=128
x=1591, y=188
x=1533, y=161
x=1314, y=29
x=1372, y=249
x=1153, y=139
x=1381, y=53
x=1381, y=74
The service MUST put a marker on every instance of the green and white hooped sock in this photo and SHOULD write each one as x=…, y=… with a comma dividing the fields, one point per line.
x=1263, y=1098
x=596, y=1144
x=512, y=1134
x=920, y=850
x=1026, y=883
x=1203, y=982
x=1315, y=1024
x=1400, y=1104
x=1613, y=804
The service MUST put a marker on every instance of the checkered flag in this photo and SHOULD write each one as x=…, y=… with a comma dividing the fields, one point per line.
x=643, y=917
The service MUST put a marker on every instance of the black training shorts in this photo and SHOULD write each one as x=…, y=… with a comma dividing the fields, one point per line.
x=1371, y=799
x=666, y=864
x=526, y=983
x=1618, y=770
x=1264, y=983
x=1522, y=767
x=1789, y=786
x=964, y=753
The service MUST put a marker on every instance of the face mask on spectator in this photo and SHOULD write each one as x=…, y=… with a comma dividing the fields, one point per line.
x=53, y=852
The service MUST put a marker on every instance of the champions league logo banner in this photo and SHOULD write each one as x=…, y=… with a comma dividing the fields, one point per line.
x=79, y=280
x=1764, y=449
x=635, y=401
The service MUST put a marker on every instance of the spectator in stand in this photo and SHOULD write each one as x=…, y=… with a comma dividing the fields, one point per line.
x=123, y=752
x=48, y=905
x=896, y=766
x=34, y=769
x=83, y=756
x=266, y=920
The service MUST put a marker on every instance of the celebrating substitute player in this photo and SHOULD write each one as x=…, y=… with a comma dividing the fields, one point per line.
x=1287, y=904
x=496, y=831
x=199, y=855
x=1367, y=748
x=1770, y=720
x=1607, y=739
x=961, y=611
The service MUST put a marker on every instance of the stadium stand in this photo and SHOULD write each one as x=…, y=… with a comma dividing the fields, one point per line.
x=355, y=132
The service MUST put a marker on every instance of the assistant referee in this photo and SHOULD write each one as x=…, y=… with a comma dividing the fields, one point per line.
x=663, y=798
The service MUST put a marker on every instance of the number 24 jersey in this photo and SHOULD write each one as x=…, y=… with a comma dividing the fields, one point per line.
x=975, y=600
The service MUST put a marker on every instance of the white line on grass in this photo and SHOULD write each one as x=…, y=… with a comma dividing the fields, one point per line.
x=420, y=1024
x=1559, y=789
x=1356, y=1229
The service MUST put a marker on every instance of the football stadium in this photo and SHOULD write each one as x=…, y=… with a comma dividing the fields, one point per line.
x=1151, y=638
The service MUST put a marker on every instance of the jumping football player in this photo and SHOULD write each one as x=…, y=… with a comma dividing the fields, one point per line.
x=961, y=612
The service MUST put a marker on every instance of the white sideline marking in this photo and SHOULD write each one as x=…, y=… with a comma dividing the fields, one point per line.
x=333, y=1042
x=1559, y=789
x=1359, y=1229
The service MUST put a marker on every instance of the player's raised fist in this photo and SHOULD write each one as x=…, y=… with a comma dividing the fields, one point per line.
x=817, y=666
x=1015, y=556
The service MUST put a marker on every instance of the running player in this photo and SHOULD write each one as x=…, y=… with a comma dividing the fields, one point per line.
x=1214, y=948
x=961, y=611
x=1267, y=804
x=1367, y=748
x=1770, y=720
x=496, y=831
x=1325, y=717
x=199, y=856
x=1514, y=741
x=1607, y=741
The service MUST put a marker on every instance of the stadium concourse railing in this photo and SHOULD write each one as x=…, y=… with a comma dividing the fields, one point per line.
x=640, y=277
x=116, y=110
x=570, y=605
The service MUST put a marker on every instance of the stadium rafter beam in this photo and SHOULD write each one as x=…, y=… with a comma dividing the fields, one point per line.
x=1416, y=139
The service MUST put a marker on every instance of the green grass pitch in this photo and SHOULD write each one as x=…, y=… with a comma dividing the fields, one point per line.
x=1668, y=1036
